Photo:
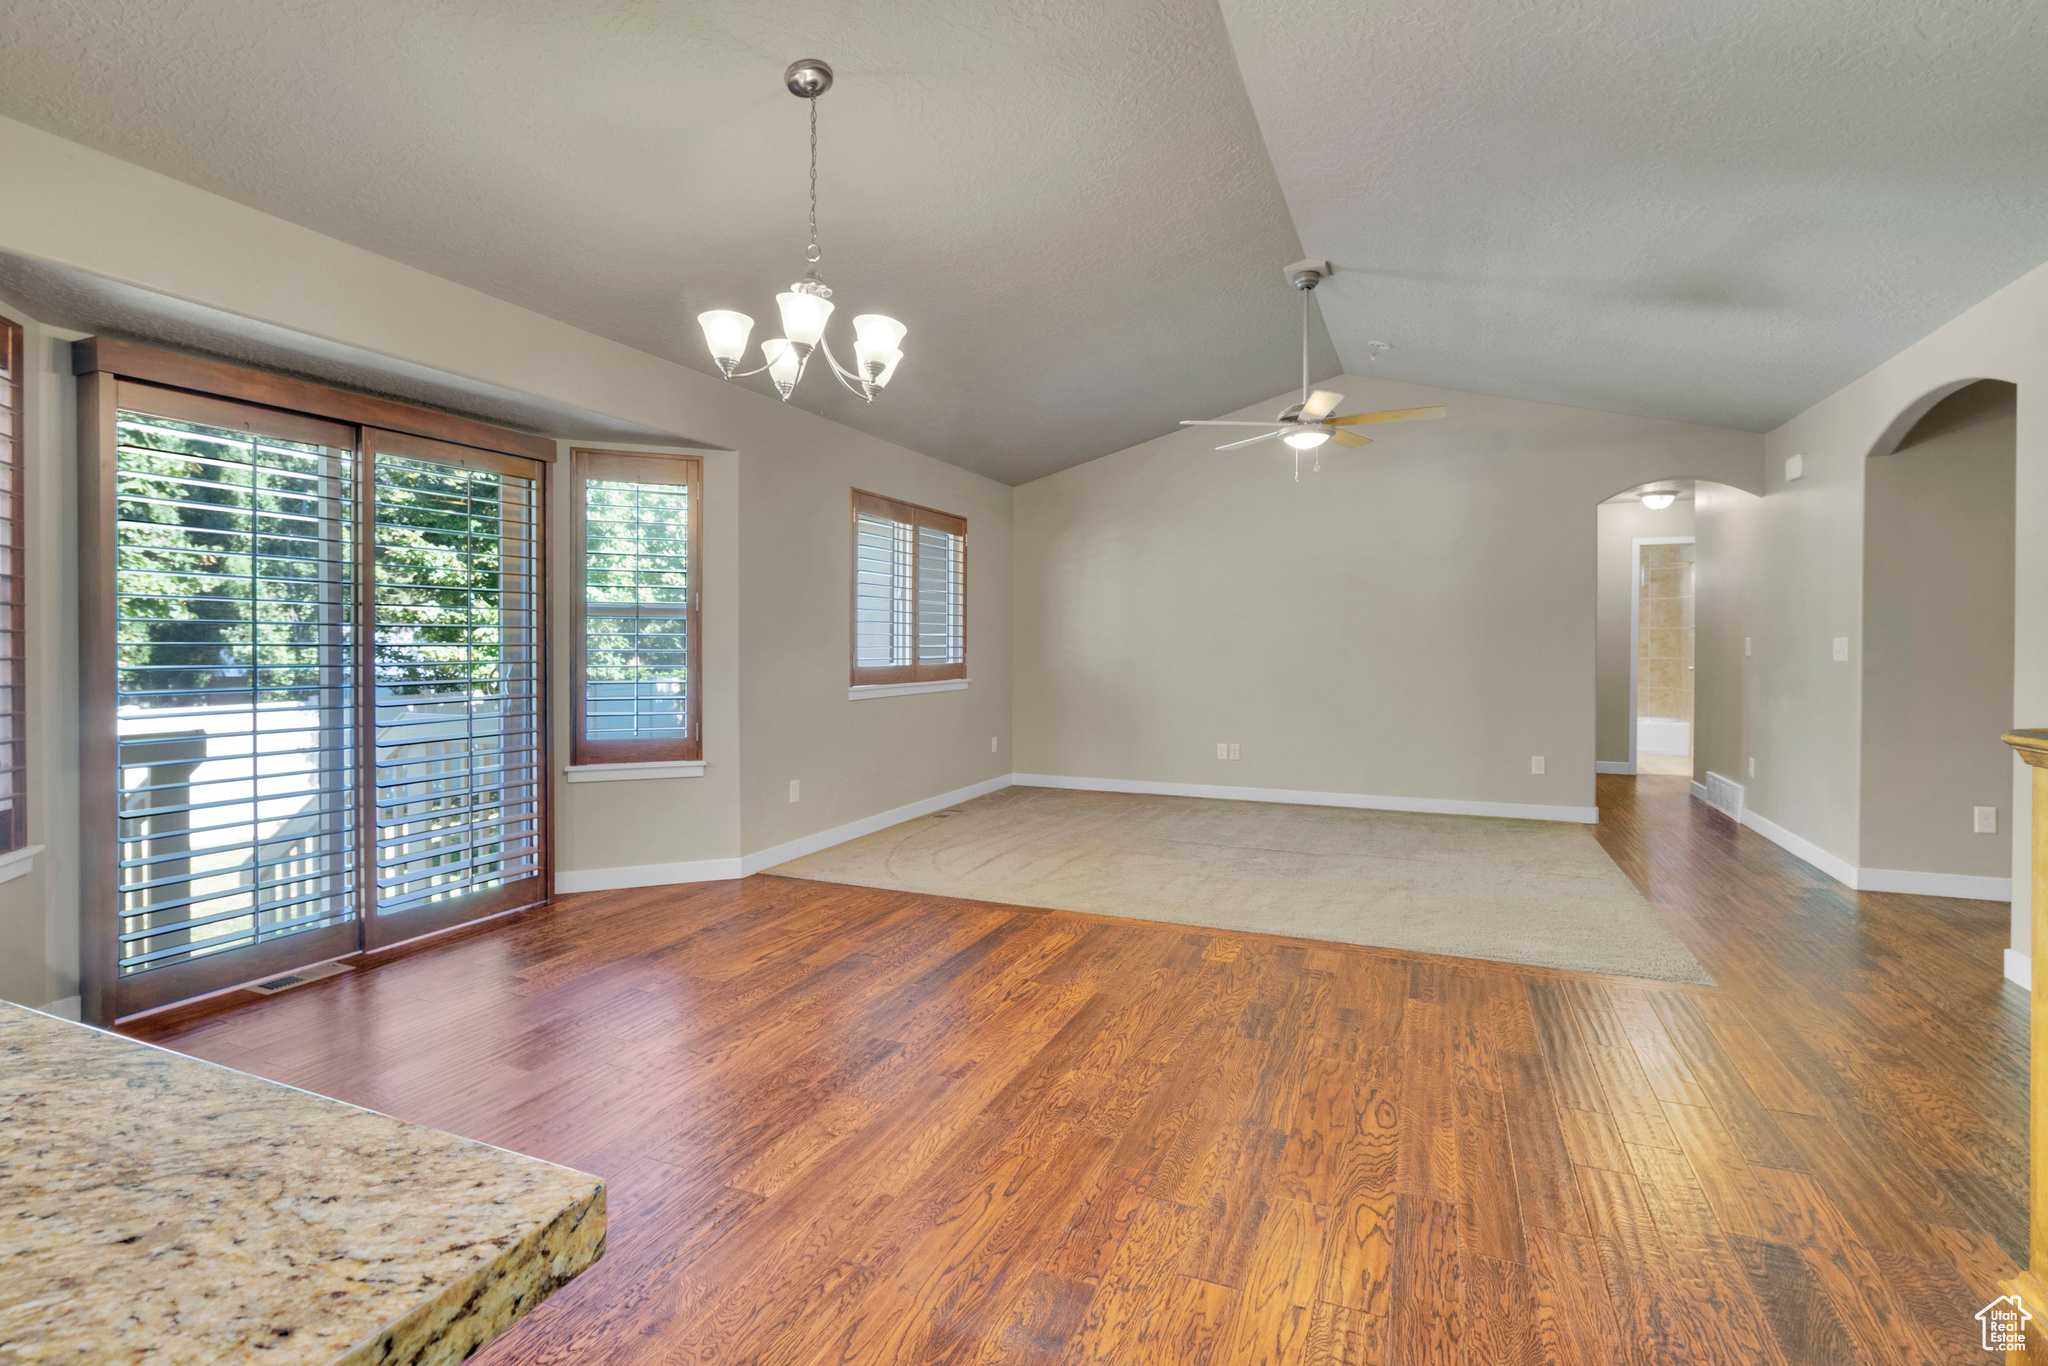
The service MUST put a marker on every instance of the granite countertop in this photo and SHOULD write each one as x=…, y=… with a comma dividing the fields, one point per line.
x=159, y=1209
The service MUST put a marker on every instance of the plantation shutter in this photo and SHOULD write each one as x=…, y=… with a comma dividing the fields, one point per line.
x=234, y=691
x=635, y=694
x=458, y=762
x=909, y=592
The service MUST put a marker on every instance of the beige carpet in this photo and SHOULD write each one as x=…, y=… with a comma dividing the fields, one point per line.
x=1536, y=892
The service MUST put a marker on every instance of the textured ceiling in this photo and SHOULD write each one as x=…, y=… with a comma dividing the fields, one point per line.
x=1718, y=211
x=1067, y=202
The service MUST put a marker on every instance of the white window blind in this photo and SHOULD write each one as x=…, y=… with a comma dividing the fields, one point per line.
x=233, y=603
x=909, y=592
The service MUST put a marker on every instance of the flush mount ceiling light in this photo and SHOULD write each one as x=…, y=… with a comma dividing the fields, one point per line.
x=1658, y=501
x=877, y=340
x=1307, y=425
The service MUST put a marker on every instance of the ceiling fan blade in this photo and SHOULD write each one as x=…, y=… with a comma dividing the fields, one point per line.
x=1251, y=440
x=1390, y=415
x=1200, y=422
x=1320, y=402
x=1352, y=439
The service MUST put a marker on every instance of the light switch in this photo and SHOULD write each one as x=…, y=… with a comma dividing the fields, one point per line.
x=1535, y=763
x=1987, y=820
x=1223, y=751
x=1745, y=646
x=1752, y=765
x=1841, y=649
x=795, y=788
x=1795, y=467
x=991, y=744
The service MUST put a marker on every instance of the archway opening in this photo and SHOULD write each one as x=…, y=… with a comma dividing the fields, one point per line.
x=1937, y=657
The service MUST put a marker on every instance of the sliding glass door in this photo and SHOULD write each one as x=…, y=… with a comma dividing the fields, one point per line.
x=459, y=763
x=328, y=704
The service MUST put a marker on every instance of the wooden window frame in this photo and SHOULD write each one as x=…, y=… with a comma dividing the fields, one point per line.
x=648, y=467
x=14, y=564
x=915, y=516
x=199, y=388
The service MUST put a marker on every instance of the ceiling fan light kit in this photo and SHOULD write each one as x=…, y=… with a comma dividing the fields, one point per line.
x=806, y=306
x=1307, y=425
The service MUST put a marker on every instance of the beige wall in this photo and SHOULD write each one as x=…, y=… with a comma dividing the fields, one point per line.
x=56, y=205
x=1618, y=525
x=1415, y=621
x=1727, y=523
x=1806, y=724
x=1937, y=640
x=38, y=911
x=855, y=758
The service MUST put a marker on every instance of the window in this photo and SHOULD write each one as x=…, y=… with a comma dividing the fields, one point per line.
x=909, y=593
x=635, y=693
x=13, y=692
x=311, y=674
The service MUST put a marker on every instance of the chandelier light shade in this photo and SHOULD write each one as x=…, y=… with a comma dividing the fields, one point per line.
x=1657, y=502
x=806, y=306
x=1306, y=440
x=726, y=331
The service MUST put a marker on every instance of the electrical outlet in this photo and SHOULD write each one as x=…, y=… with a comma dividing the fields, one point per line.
x=1535, y=763
x=1233, y=751
x=1752, y=765
x=1745, y=646
x=991, y=744
x=1841, y=649
x=796, y=789
x=1987, y=821
x=1222, y=751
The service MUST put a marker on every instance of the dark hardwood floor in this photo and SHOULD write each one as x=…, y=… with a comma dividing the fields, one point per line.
x=843, y=1125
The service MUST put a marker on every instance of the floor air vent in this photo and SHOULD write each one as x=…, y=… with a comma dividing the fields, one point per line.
x=299, y=978
x=1724, y=794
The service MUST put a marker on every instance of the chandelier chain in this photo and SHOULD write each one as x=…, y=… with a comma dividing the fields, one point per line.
x=813, y=255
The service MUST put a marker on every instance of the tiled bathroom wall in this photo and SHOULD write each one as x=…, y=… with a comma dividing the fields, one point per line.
x=1664, y=630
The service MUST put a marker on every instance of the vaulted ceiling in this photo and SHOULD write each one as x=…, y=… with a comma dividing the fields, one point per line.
x=1712, y=212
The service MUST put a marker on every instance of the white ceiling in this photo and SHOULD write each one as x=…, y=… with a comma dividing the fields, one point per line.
x=1719, y=212
x=1714, y=210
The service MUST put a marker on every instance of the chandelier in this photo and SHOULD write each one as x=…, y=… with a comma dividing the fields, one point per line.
x=877, y=340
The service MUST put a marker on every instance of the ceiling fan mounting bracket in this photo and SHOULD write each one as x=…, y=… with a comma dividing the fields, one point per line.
x=1307, y=274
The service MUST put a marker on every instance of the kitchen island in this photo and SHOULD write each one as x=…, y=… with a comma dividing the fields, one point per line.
x=155, y=1208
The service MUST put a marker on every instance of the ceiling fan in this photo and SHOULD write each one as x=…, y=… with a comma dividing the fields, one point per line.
x=1306, y=425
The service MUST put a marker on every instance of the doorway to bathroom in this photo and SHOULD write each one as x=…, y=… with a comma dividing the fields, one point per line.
x=1661, y=656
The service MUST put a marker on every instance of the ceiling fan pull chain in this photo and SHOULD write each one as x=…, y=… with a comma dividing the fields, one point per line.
x=813, y=255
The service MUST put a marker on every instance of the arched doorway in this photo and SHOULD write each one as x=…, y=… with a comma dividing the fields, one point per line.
x=1937, y=661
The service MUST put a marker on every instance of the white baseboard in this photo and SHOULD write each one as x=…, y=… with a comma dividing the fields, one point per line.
x=868, y=825
x=644, y=875
x=1935, y=884
x=67, y=1007
x=1699, y=790
x=1438, y=806
x=1613, y=766
x=1962, y=885
x=1840, y=869
x=719, y=869
x=2019, y=968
